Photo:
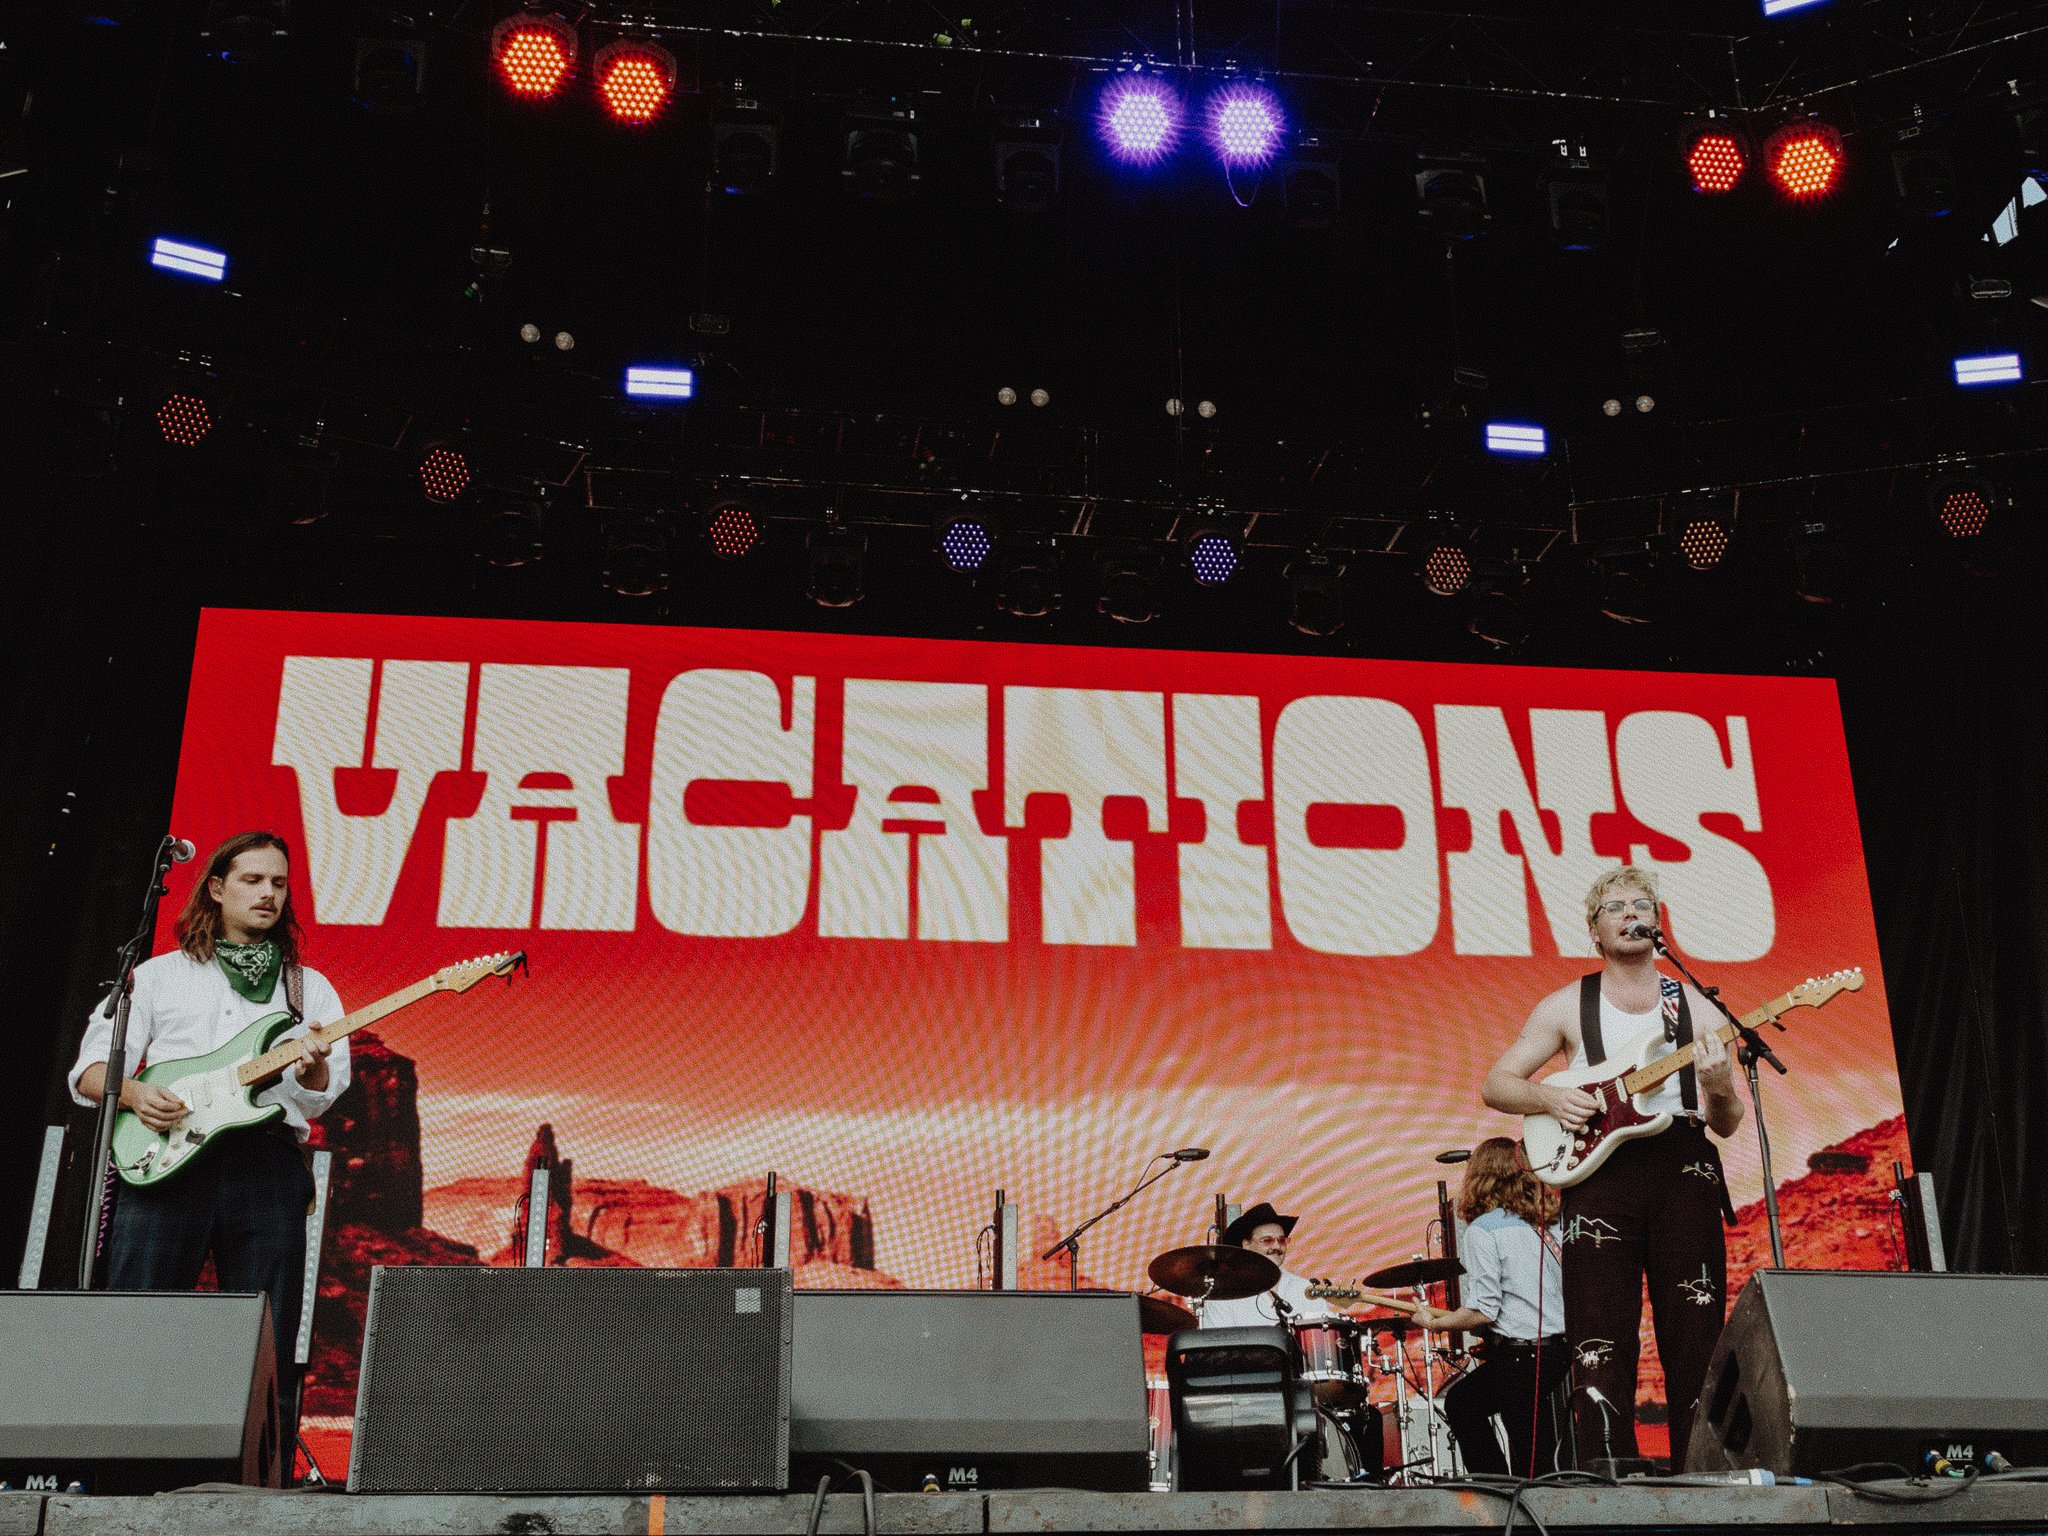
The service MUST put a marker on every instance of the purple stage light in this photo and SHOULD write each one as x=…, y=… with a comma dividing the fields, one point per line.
x=966, y=543
x=1140, y=118
x=1245, y=124
x=1213, y=558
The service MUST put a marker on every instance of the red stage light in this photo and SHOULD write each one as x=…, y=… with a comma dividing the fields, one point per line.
x=1964, y=512
x=1703, y=542
x=635, y=79
x=534, y=54
x=1804, y=159
x=1446, y=569
x=1716, y=161
x=444, y=474
x=732, y=530
x=184, y=420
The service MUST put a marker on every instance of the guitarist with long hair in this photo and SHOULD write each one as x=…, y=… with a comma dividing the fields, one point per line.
x=245, y=1202
x=1513, y=1292
x=1653, y=1209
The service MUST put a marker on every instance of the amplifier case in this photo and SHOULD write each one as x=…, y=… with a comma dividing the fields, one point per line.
x=967, y=1390
x=137, y=1392
x=477, y=1379
x=1823, y=1369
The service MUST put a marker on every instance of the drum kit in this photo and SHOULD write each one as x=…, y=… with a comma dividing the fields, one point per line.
x=1339, y=1358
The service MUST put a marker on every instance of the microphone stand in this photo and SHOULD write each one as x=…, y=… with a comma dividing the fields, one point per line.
x=1072, y=1241
x=133, y=953
x=1754, y=1048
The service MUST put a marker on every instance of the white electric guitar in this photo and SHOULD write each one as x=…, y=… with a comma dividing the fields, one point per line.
x=1559, y=1156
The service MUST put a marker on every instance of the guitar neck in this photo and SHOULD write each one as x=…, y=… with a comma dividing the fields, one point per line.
x=1643, y=1079
x=287, y=1055
x=1367, y=1299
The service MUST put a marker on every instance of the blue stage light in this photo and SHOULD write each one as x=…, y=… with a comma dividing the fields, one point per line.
x=1515, y=437
x=647, y=382
x=1780, y=7
x=967, y=541
x=1212, y=557
x=1140, y=118
x=192, y=260
x=1990, y=368
x=1246, y=124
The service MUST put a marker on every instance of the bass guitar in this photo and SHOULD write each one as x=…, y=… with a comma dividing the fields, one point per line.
x=1562, y=1157
x=1324, y=1290
x=219, y=1089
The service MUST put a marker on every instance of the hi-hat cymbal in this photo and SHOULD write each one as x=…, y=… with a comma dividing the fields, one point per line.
x=1414, y=1272
x=1158, y=1315
x=1214, y=1272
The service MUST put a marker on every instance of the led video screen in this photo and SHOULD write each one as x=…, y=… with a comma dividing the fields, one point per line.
x=908, y=921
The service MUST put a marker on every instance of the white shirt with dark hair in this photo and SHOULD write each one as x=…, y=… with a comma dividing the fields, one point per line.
x=184, y=1008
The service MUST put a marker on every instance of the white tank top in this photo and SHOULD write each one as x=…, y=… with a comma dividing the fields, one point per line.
x=1622, y=1035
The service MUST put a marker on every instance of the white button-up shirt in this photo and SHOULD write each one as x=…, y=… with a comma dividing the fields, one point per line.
x=1259, y=1312
x=184, y=1008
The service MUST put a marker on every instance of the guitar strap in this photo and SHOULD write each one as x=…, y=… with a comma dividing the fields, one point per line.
x=295, y=992
x=1677, y=1028
x=1589, y=1019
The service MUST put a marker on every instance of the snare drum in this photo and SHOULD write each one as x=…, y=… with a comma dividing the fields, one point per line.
x=1326, y=1358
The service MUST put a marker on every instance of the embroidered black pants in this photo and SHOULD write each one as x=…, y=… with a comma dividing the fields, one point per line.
x=1651, y=1212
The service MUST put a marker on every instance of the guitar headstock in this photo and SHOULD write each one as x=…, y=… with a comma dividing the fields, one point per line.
x=465, y=974
x=1815, y=990
x=1324, y=1290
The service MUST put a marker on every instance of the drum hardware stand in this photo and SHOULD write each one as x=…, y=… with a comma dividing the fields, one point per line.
x=1754, y=1048
x=170, y=851
x=1454, y=1295
x=1072, y=1241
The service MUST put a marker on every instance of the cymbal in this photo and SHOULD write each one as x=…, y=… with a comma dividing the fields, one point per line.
x=1235, y=1272
x=1158, y=1315
x=1414, y=1272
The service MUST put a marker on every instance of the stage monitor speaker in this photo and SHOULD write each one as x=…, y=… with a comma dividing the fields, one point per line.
x=1819, y=1370
x=124, y=1392
x=1240, y=1418
x=573, y=1380
x=966, y=1390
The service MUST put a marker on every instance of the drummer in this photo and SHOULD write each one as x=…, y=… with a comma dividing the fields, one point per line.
x=1265, y=1232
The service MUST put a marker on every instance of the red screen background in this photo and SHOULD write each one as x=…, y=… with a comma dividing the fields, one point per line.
x=920, y=1074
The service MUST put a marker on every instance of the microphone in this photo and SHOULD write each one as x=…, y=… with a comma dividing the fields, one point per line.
x=1638, y=929
x=1189, y=1154
x=181, y=851
x=1455, y=1155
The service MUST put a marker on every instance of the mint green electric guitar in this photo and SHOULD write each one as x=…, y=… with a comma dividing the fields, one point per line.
x=220, y=1088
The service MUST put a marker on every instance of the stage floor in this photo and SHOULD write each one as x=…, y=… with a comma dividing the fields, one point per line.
x=1987, y=1505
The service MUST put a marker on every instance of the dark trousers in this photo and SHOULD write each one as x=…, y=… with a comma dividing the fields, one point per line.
x=1520, y=1384
x=1651, y=1212
x=244, y=1203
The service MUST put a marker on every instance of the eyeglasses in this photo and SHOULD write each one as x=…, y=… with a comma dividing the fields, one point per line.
x=1642, y=904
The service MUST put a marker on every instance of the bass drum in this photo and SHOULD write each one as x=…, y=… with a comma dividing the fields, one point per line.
x=1354, y=1444
x=1342, y=1462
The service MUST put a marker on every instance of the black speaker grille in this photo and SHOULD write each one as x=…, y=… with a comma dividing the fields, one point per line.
x=618, y=1380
